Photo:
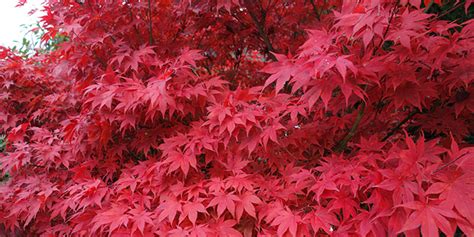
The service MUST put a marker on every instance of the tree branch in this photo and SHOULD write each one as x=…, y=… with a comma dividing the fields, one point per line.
x=392, y=14
x=315, y=9
x=263, y=33
x=343, y=143
x=150, y=24
x=399, y=124
x=447, y=12
x=137, y=32
x=449, y=163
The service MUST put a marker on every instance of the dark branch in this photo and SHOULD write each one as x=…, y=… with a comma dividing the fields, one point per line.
x=315, y=9
x=392, y=14
x=341, y=146
x=399, y=124
x=449, y=163
x=150, y=24
x=261, y=31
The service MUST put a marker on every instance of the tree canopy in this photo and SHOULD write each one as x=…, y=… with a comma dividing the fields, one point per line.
x=241, y=118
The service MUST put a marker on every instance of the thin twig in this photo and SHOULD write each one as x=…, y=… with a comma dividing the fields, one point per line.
x=399, y=124
x=341, y=146
x=392, y=14
x=427, y=8
x=315, y=9
x=449, y=163
x=137, y=32
x=150, y=24
x=263, y=33
x=447, y=12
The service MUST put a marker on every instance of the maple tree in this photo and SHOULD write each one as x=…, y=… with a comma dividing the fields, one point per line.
x=241, y=118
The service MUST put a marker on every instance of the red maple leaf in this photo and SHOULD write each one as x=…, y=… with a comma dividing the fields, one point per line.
x=429, y=216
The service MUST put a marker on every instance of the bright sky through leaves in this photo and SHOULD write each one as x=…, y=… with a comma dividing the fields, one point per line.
x=12, y=18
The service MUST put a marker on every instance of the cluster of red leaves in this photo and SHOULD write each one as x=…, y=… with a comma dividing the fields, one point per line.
x=240, y=118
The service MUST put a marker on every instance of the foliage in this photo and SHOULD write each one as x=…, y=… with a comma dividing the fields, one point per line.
x=241, y=118
x=32, y=42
